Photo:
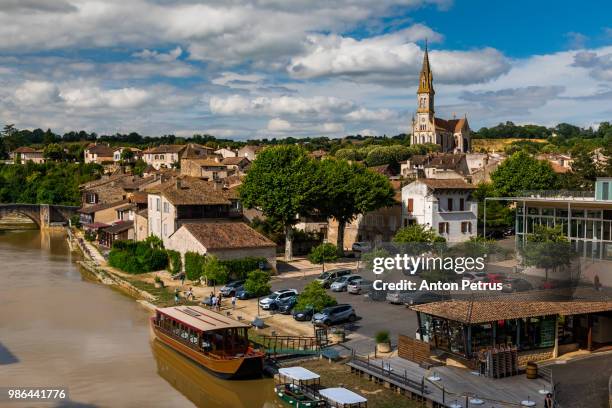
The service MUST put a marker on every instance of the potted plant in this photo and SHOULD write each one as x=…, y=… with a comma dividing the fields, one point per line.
x=383, y=342
x=158, y=282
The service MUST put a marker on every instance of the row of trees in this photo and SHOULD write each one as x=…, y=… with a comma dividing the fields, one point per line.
x=284, y=183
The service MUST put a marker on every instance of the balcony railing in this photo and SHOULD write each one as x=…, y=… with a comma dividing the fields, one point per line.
x=579, y=195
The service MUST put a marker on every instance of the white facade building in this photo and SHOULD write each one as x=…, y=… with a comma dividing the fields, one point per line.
x=443, y=205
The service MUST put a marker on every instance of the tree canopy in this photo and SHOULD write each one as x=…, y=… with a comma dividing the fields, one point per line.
x=314, y=296
x=521, y=172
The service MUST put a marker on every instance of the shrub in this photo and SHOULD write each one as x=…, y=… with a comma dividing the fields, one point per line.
x=174, y=259
x=323, y=253
x=214, y=271
x=194, y=264
x=137, y=257
x=314, y=296
x=239, y=268
x=382, y=337
x=258, y=283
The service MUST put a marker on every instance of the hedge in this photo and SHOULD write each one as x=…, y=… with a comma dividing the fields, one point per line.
x=137, y=257
x=239, y=268
x=194, y=263
x=174, y=260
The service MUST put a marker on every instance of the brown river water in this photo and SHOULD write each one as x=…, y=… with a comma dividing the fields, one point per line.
x=60, y=328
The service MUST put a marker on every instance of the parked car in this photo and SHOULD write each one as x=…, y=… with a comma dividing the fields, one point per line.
x=474, y=276
x=361, y=247
x=272, y=301
x=334, y=314
x=495, y=278
x=399, y=297
x=304, y=315
x=326, y=278
x=230, y=289
x=359, y=286
x=516, y=285
x=285, y=305
x=243, y=294
x=421, y=297
x=340, y=284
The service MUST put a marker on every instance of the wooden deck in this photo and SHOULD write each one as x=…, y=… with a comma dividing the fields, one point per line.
x=456, y=385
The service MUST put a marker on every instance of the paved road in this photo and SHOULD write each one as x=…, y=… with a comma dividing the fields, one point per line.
x=374, y=316
x=583, y=383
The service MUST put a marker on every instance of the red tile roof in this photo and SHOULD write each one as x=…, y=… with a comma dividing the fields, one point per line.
x=227, y=235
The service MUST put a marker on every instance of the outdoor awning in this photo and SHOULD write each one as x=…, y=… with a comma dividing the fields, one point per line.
x=298, y=373
x=342, y=396
x=96, y=225
x=119, y=227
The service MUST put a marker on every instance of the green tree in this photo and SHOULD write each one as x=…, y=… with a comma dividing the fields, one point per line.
x=346, y=190
x=547, y=248
x=315, y=296
x=214, y=271
x=127, y=155
x=258, y=283
x=521, y=172
x=325, y=252
x=54, y=152
x=416, y=233
x=280, y=183
x=584, y=170
x=499, y=215
x=139, y=167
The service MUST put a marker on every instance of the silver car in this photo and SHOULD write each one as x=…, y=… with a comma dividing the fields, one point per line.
x=399, y=298
x=334, y=314
x=359, y=286
x=340, y=284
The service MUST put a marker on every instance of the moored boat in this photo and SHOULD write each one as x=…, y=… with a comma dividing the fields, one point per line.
x=298, y=387
x=216, y=342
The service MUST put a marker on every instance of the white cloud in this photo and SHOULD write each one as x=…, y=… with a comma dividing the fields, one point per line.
x=393, y=57
x=171, y=55
x=37, y=93
x=363, y=114
x=279, y=105
x=278, y=125
x=94, y=97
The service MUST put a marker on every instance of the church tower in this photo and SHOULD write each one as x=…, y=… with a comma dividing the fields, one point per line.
x=423, y=128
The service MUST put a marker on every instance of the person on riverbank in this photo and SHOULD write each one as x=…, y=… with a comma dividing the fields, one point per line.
x=213, y=302
x=234, y=302
x=219, y=301
x=182, y=280
x=189, y=294
x=548, y=401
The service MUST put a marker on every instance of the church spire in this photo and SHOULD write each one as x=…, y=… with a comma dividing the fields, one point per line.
x=426, y=77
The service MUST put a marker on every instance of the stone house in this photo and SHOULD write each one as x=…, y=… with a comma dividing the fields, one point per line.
x=445, y=205
x=105, y=213
x=189, y=200
x=249, y=151
x=26, y=154
x=116, y=187
x=163, y=156
x=436, y=165
x=118, y=151
x=99, y=153
x=225, y=152
x=225, y=240
x=237, y=165
x=208, y=168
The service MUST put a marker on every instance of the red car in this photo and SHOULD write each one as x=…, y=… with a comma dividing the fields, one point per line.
x=495, y=278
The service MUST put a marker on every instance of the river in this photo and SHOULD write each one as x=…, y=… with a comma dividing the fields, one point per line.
x=59, y=328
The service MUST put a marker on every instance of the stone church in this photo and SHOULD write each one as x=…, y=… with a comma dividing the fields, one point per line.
x=453, y=135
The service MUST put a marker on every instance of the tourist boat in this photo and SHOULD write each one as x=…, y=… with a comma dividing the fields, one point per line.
x=216, y=342
x=298, y=387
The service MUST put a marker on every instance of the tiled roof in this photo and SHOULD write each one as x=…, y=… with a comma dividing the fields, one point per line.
x=102, y=181
x=194, y=191
x=446, y=184
x=438, y=160
x=227, y=235
x=104, y=206
x=101, y=150
x=207, y=162
x=482, y=311
x=165, y=149
x=119, y=227
x=195, y=151
x=235, y=161
x=451, y=125
x=26, y=149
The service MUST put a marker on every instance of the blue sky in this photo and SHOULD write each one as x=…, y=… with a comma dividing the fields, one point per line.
x=275, y=68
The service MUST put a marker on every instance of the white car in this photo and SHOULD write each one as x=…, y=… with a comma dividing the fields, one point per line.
x=271, y=302
x=340, y=284
x=362, y=247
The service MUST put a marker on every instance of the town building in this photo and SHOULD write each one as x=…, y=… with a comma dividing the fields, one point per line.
x=225, y=152
x=101, y=215
x=585, y=217
x=451, y=135
x=225, y=240
x=137, y=153
x=189, y=200
x=99, y=154
x=436, y=165
x=163, y=156
x=237, y=165
x=207, y=169
x=115, y=187
x=25, y=154
x=249, y=151
x=444, y=205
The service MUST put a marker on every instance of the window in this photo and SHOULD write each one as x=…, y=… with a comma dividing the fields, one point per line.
x=157, y=206
x=466, y=227
x=450, y=204
x=462, y=204
x=91, y=198
x=166, y=207
x=410, y=205
x=443, y=228
x=165, y=230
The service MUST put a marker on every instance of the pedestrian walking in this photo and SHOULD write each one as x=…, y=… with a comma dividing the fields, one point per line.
x=176, y=296
x=182, y=280
x=189, y=294
x=219, y=303
x=234, y=302
x=213, y=301
x=548, y=401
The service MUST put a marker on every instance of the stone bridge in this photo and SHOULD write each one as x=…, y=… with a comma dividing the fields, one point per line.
x=42, y=214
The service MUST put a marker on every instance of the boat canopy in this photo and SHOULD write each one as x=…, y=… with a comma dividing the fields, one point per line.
x=342, y=396
x=298, y=373
x=200, y=318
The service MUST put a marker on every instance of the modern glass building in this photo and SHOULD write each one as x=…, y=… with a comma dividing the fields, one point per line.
x=586, y=217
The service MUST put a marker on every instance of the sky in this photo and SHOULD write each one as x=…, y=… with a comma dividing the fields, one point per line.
x=276, y=68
